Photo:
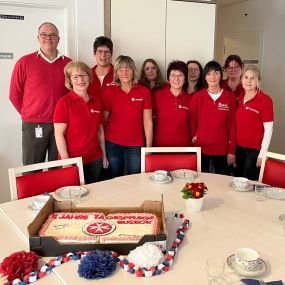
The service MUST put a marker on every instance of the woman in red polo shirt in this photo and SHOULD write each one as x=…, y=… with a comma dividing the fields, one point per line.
x=151, y=76
x=171, y=107
x=78, y=122
x=128, y=119
x=233, y=69
x=254, y=119
x=195, y=77
x=212, y=119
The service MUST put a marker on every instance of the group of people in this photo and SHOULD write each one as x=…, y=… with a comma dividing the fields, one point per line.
x=107, y=113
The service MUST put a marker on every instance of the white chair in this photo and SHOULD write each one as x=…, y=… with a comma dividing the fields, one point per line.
x=25, y=182
x=170, y=158
x=272, y=170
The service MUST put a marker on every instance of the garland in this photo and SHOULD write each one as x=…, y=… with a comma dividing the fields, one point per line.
x=124, y=263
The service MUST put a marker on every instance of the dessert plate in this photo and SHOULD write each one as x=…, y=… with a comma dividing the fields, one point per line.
x=275, y=193
x=260, y=269
x=167, y=180
x=184, y=174
x=249, y=187
x=68, y=192
x=38, y=203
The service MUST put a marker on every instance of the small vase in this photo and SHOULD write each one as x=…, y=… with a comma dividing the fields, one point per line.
x=194, y=205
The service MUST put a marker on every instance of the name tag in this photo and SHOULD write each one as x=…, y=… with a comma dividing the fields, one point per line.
x=39, y=132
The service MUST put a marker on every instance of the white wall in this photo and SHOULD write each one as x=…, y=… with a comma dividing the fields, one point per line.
x=268, y=16
x=90, y=24
x=84, y=21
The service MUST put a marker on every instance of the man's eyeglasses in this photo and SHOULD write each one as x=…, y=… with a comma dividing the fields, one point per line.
x=77, y=76
x=48, y=36
x=100, y=51
x=150, y=68
x=233, y=68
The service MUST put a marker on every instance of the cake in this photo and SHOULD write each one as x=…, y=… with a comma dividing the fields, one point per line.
x=96, y=228
x=130, y=227
x=67, y=227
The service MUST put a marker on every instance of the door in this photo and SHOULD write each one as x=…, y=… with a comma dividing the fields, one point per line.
x=18, y=37
x=246, y=44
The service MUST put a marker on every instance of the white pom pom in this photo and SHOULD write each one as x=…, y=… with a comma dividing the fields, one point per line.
x=146, y=255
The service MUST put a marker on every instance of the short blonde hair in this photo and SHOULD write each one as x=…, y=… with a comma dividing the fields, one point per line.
x=124, y=61
x=254, y=69
x=76, y=65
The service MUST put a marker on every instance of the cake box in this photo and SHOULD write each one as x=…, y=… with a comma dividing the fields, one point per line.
x=48, y=246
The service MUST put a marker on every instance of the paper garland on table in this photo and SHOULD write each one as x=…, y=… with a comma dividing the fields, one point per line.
x=124, y=263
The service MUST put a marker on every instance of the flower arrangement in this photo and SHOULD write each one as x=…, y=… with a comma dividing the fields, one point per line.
x=194, y=190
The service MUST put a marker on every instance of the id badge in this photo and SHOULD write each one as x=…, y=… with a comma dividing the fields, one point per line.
x=39, y=132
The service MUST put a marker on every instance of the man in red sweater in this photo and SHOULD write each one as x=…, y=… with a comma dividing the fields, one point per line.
x=36, y=85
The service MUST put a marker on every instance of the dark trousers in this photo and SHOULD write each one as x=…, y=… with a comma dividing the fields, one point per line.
x=35, y=148
x=92, y=171
x=123, y=159
x=218, y=162
x=246, y=163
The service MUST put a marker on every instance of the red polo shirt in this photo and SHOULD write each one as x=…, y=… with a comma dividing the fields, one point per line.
x=250, y=117
x=239, y=90
x=95, y=88
x=125, y=122
x=213, y=122
x=83, y=120
x=172, y=117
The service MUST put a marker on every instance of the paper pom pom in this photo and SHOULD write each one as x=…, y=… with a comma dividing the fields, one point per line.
x=18, y=265
x=146, y=255
x=97, y=264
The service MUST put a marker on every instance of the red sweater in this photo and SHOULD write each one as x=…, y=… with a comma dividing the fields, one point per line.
x=213, y=122
x=95, y=88
x=36, y=86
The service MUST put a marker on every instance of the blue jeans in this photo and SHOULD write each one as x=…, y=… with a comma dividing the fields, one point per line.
x=123, y=158
x=92, y=171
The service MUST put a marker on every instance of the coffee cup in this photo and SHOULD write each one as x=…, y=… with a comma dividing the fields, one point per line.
x=160, y=175
x=240, y=182
x=246, y=258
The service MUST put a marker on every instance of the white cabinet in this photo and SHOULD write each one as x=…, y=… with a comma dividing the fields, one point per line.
x=163, y=29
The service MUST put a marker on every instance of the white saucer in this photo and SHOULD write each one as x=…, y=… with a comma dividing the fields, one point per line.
x=167, y=180
x=38, y=203
x=249, y=187
x=67, y=192
x=184, y=174
x=260, y=269
x=275, y=193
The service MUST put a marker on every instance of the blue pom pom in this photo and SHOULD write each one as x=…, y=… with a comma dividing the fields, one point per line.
x=97, y=264
x=132, y=271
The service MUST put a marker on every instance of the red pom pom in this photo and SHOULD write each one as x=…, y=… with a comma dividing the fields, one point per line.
x=152, y=268
x=169, y=257
x=139, y=273
x=19, y=264
x=51, y=262
x=131, y=265
x=165, y=268
x=115, y=254
x=41, y=274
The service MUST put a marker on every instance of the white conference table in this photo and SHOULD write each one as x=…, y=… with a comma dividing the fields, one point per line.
x=229, y=220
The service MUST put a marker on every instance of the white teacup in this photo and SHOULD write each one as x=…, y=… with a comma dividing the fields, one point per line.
x=240, y=182
x=246, y=258
x=160, y=175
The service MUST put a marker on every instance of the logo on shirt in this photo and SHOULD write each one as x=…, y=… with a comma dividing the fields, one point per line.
x=223, y=107
x=251, y=109
x=183, y=107
x=94, y=111
x=136, y=99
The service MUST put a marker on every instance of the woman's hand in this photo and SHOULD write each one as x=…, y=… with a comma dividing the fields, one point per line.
x=105, y=162
x=231, y=159
x=258, y=162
